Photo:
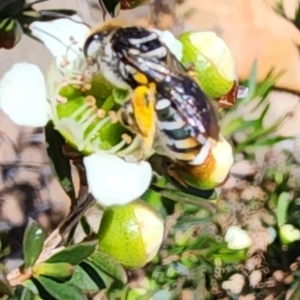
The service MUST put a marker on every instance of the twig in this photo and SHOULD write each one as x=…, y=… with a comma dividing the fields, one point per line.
x=178, y=196
x=163, y=15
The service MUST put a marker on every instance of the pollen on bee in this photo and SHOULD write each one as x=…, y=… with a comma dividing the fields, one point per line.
x=113, y=117
x=127, y=138
x=140, y=78
x=101, y=113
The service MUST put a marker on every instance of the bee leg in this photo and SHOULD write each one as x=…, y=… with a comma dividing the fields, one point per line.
x=143, y=103
x=173, y=174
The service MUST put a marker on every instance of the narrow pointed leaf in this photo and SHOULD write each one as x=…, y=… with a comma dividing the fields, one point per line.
x=28, y=284
x=55, y=270
x=26, y=295
x=108, y=265
x=283, y=204
x=83, y=281
x=72, y=255
x=5, y=289
x=33, y=243
x=60, y=291
x=60, y=162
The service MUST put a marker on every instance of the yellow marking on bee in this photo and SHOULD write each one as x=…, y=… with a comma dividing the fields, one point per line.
x=186, y=156
x=143, y=102
x=140, y=78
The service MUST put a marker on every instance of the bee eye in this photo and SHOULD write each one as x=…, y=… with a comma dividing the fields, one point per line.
x=92, y=45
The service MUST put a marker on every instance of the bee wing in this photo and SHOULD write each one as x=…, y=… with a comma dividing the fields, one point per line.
x=185, y=96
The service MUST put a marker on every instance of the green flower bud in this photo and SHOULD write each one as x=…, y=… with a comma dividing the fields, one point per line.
x=212, y=60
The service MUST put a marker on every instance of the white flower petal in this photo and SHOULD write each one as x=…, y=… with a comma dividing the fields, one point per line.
x=237, y=238
x=63, y=37
x=172, y=43
x=23, y=95
x=114, y=181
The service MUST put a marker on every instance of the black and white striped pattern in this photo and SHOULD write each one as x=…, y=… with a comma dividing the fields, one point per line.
x=185, y=117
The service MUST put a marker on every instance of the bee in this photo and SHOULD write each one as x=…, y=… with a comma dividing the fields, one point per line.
x=185, y=122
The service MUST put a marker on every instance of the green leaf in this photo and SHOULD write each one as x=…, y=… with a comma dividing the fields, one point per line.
x=28, y=284
x=34, y=238
x=55, y=270
x=282, y=207
x=26, y=295
x=184, y=198
x=155, y=199
x=271, y=141
x=83, y=281
x=108, y=265
x=108, y=104
x=60, y=291
x=60, y=162
x=187, y=222
x=5, y=288
x=73, y=254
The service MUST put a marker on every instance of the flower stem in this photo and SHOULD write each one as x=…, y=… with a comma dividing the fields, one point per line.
x=181, y=197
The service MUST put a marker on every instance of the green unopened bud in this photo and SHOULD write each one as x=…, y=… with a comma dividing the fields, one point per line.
x=212, y=60
x=131, y=233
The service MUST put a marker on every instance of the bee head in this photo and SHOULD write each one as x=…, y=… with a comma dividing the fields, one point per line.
x=94, y=44
x=100, y=37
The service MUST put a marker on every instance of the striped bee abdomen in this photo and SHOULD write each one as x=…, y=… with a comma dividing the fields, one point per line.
x=191, y=106
x=174, y=132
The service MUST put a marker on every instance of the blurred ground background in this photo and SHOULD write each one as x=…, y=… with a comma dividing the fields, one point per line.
x=252, y=30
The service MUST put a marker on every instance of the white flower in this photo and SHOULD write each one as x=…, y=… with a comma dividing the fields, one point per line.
x=171, y=42
x=237, y=238
x=234, y=284
x=63, y=37
x=289, y=234
x=112, y=180
x=23, y=95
